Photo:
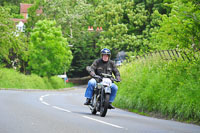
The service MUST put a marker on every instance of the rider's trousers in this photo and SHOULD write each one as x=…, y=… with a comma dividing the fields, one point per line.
x=90, y=88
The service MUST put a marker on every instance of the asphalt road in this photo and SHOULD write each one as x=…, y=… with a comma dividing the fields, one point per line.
x=64, y=112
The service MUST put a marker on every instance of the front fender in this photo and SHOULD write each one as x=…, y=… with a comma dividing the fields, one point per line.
x=107, y=90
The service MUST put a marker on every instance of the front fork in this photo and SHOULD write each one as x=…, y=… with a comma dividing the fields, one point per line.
x=96, y=99
x=99, y=97
x=104, y=90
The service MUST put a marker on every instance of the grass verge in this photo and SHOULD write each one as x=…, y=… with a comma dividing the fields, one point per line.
x=10, y=78
x=168, y=88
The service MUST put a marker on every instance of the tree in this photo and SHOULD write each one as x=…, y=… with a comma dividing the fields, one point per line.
x=32, y=16
x=6, y=33
x=49, y=53
x=70, y=14
x=75, y=17
x=12, y=46
x=181, y=28
x=127, y=24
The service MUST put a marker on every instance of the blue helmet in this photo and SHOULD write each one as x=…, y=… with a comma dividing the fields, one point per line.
x=105, y=51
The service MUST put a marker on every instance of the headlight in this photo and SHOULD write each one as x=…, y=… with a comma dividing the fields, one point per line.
x=99, y=86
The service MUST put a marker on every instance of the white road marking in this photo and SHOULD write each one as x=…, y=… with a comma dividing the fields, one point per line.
x=45, y=103
x=41, y=98
x=42, y=101
x=102, y=122
x=61, y=109
x=45, y=95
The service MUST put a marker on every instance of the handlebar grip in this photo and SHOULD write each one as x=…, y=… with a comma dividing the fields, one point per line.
x=116, y=80
x=96, y=76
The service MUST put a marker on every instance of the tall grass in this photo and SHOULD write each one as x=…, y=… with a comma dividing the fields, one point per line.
x=169, y=88
x=10, y=78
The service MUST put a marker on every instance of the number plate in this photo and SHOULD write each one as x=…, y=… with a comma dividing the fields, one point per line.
x=107, y=90
x=106, y=82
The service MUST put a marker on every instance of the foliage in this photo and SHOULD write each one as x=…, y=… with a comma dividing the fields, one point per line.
x=6, y=33
x=33, y=17
x=12, y=44
x=70, y=14
x=14, y=2
x=49, y=53
x=84, y=53
x=10, y=78
x=58, y=83
x=128, y=26
x=14, y=7
x=168, y=88
x=73, y=16
x=181, y=28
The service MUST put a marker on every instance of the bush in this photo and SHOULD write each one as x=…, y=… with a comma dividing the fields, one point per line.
x=56, y=82
x=171, y=89
x=49, y=53
x=10, y=78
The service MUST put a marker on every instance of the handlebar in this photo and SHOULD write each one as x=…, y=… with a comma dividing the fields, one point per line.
x=106, y=75
x=103, y=75
x=97, y=76
x=88, y=68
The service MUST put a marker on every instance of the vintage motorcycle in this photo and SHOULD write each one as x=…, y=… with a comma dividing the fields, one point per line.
x=101, y=95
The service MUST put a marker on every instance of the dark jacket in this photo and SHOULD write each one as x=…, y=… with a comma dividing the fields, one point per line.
x=99, y=66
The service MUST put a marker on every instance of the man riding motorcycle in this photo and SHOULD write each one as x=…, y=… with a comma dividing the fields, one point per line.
x=102, y=65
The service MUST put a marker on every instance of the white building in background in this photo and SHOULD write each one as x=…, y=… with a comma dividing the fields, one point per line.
x=20, y=26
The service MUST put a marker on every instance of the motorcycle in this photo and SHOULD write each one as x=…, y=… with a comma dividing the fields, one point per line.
x=101, y=95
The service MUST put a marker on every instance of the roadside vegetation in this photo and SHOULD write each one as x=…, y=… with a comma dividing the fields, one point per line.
x=127, y=25
x=10, y=78
x=169, y=89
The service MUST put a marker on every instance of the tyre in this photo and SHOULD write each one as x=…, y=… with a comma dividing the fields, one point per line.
x=104, y=105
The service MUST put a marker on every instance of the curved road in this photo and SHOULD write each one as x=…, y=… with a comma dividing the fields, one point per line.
x=64, y=112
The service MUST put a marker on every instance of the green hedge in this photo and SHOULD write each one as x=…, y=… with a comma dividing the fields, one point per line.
x=169, y=88
x=10, y=78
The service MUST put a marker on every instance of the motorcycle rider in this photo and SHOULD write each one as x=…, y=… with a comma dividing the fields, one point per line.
x=102, y=65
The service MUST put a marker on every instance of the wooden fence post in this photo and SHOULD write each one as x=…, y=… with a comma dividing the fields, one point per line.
x=169, y=54
x=177, y=53
x=186, y=55
x=174, y=55
x=163, y=51
x=160, y=54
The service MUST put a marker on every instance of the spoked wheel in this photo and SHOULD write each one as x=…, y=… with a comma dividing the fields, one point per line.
x=94, y=104
x=104, y=105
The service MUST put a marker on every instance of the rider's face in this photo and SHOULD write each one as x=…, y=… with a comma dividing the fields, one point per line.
x=105, y=57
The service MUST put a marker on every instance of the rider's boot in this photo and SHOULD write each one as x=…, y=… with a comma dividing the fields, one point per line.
x=87, y=101
x=110, y=106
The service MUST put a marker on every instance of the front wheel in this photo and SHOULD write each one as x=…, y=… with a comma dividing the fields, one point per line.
x=104, y=105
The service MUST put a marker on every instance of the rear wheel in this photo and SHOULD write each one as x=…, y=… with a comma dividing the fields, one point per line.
x=104, y=105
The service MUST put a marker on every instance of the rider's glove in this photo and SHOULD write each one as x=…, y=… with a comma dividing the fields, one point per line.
x=98, y=78
x=112, y=79
x=92, y=74
x=118, y=79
